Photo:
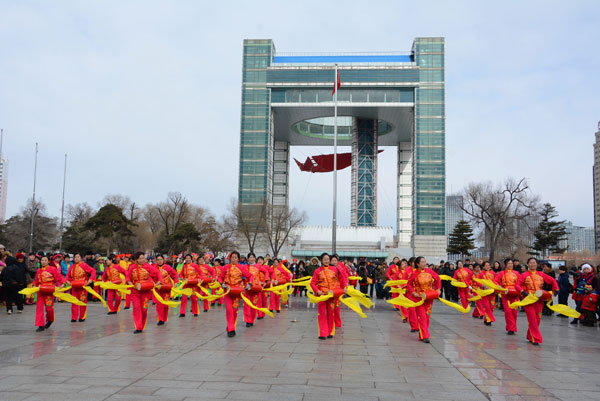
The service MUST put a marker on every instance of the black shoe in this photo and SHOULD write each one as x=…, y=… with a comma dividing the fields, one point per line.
x=182, y=315
x=47, y=325
x=475, y=317
x=195, y=315
x=259, y=318
x=82, y=320
x=330, y=336
x=536, y=344
x=488, y=323
x=480, y=317
x=230, y=333
x=510, y=333
x=41, y=328
x=322, y=338
x=574, y=321
x=426, y=340
x=127, y=307
x=205, y=310
x=137, y=331
x=160, y=323
x=278, y=311
x=73, y=320
x=248, y=324
x=112, y=313
x=413, y=330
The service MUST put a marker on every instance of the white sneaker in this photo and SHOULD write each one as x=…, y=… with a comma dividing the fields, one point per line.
x=19, y=311
x=9, y=312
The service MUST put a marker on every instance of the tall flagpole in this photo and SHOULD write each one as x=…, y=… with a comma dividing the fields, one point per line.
x=33, y=207
x=62, y=210
x=335, y=97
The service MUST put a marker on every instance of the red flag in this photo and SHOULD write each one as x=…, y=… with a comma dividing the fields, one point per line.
x=337, y=84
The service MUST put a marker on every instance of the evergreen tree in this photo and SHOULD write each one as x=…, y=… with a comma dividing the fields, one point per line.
x=461, y=239
x=111, y=225
x=549, y=232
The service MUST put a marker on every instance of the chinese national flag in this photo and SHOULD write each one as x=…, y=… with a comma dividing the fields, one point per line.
x=337, y=84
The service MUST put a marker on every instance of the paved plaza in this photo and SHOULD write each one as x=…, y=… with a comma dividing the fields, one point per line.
x=282, y=359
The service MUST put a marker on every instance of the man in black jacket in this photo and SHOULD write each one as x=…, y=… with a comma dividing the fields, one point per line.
x=13, y=280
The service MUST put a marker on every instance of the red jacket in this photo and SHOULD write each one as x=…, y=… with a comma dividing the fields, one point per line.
x=425, y=280
x=323, y=281
x=74, y=272
x=235, y=275
x=48, y=274
x=136, y=273
x=533, y=281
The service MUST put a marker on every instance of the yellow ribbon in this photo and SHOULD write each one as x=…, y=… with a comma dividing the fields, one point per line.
x=68, y=298
x=95, y=294
x=453, y=281
x=401, y=300
x=455, y=306
x=354, y=278
x=299, y=280
x=563, y=309
x=490, y=284
x=316, y=299
x=266, y=311
x=278, y=289
x=214, y=284
x=171, y=304
x=398, y=290
x=528, y=300
x=29, y=291
x=353, y=304
x=359, y=296
x=390, y=283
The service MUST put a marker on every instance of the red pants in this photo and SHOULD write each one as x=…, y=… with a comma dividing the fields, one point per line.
x=206, y=301
x=488, y=308
x=274, y=302
x=262, y=303
x=423, y=313
x=412, y=314
x=251, y=313
x=478, y=310
x=231, y=311
x=162, y=311
x=113, y=300
x=404, y=312
x=194, y=300
x=325, y=318
x=337, y=318
x=510, y=315
x=463, y=293
x=128, y=300
x=140, y=301
x=79, y=312
x=395, y=295
x=44, y=301
x=534, y=314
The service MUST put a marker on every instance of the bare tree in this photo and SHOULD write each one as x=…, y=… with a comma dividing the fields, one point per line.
x=172, y=212
x=283, y=221
x=130, y=208
x=15, y=232
x=78, y=213
x=247, y=221
x=497, y=209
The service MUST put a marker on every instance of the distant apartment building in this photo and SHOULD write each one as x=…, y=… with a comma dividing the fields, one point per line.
x=579, y=239
x=3, y=188
x=454, y=213
x=596, y=173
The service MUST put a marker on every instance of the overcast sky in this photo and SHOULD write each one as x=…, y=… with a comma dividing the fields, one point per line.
x=144, y=96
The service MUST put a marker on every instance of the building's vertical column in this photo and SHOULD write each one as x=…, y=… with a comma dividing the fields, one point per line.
x=429, y=158
x=405, y=203
x=281, y=163
x=256, y=139
x=596, y=178
x=364, y=172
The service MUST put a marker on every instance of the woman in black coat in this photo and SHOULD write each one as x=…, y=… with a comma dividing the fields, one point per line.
x=13, y=280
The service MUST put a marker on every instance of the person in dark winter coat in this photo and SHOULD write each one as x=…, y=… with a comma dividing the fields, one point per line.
x=564, y=287
x=13, y=280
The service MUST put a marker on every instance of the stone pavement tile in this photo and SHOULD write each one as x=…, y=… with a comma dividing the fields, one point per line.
x=510, y=390
x=274, y=380
x=168, y=383
x=264, y=396
x=65, y=397
x=312, y=375
x=234, y=386
x=49, y=388
x=139, y=390
x=297, y=388
x=107, y=389
x=13, y=396
x=180, y=393
x=133, y=397
x=473, y=395
x=243, y=371
x=342, y=384
x=213, y=378
x=381, y=395
x=344, y=397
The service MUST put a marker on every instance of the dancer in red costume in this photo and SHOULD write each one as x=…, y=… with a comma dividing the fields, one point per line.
x=208, y=276
x=79, y=274
x=463, y=275
x=530, y=282
x=234, y=278
x=218, y=269
x=167, y=278
x=325, y=279
x=46, y=276
x=279, y=275
x=112, y=273
x=399, y=276
x=392, y=272
x=487, y=302
x=192, y=275
x=478, y=312
x=423, y=279
x=264, y=278
x=508, y=279
x=334, y=261
x=412, y=312
x=125, y=262
x=259, y=273
x=143, y=278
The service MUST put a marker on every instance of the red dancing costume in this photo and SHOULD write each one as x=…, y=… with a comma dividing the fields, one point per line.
x=112, y=274
x=420, y=281
x=463, y=275
x=218, y=269
x=235, y=277
x=531, y=281
x=411, y=312
x=403, y=310
x=508, y=279
x=486, y=304
x=263, y=302
x=46, y=276
x=259, y=274
x=167, y=278
x=325, y=279
x=192, y=273
x=143, y=276
x=391, y=273
x=80, y=274
x=337, y=315
x=279, y=275
x=208, y=276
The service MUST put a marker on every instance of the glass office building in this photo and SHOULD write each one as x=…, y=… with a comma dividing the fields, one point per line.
x=385, y=99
